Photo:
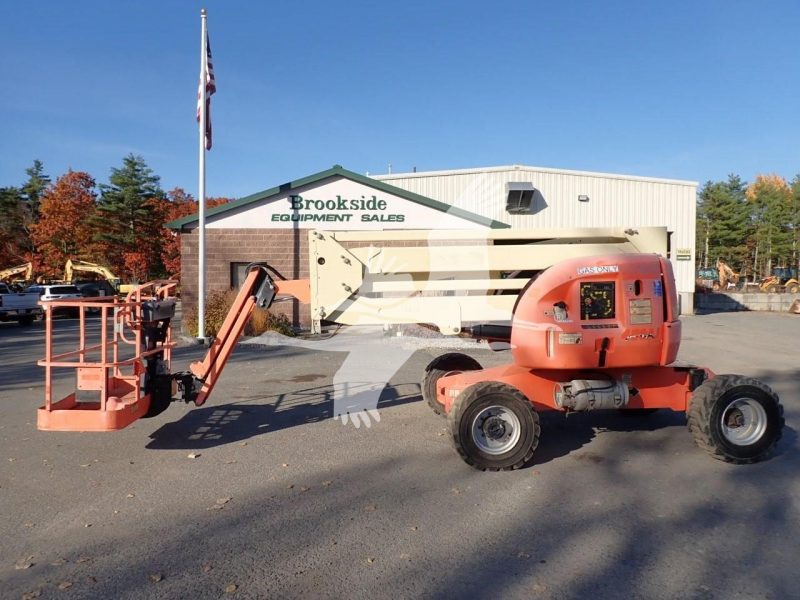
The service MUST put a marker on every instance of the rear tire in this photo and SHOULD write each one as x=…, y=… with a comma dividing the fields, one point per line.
x=494, y=427
x=446, y=364
x=735, y=419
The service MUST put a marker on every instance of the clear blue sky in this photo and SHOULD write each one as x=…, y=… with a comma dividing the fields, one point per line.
x=681, y=89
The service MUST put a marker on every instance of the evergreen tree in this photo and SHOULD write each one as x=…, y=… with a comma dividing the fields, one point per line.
x=723, y=223
x=34, y=188
x=795, y=223
x=12, y=231
x=128, y=220
x=771, y=201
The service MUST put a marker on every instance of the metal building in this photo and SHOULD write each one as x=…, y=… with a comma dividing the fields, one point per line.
x=271, y=225
x=534, y=197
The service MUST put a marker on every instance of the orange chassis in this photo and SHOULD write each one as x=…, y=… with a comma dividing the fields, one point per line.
x=656, y=387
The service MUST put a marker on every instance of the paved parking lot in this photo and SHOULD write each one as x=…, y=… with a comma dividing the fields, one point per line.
x=282, y=501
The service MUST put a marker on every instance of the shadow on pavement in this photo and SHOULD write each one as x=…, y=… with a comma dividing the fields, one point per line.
x=217, y=425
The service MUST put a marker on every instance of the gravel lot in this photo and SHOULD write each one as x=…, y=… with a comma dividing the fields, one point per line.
x=280, y=500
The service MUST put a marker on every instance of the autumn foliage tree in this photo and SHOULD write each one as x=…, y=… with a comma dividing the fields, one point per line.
x=63, y=230
x=178, y=204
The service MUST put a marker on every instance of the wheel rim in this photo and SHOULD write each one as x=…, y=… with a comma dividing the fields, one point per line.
x=744, y=421
x=495, y=430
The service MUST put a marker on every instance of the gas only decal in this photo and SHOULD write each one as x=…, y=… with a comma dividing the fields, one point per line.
x=598, y=269
x=569, y=339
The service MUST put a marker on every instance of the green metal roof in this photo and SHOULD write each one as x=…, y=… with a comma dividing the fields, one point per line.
x=339, y=171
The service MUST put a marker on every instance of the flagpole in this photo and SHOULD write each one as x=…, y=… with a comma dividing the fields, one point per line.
x=201, y=186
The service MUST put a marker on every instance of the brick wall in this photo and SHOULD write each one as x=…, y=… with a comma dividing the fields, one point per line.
x=285, y=250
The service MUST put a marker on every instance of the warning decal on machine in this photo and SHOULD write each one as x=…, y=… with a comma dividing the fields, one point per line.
x=569, y=338
x=598, y=269
x=641, y=311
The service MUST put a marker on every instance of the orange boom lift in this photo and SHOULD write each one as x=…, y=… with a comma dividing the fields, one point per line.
x=590, y=333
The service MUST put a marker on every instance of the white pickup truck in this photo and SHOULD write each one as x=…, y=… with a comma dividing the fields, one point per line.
x=22, y=307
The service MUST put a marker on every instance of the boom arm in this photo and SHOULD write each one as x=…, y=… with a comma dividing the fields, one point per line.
x=258, y=289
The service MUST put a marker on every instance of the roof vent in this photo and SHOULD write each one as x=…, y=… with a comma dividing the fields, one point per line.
x=519, y=197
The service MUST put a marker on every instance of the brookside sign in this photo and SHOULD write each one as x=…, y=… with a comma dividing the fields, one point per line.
x=339, y=204
x=338, y=210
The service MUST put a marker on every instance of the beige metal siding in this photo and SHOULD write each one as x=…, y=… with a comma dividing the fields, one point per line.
x=614, y=201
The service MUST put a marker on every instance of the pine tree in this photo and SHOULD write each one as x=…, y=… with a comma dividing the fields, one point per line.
x=12, y=232
x=723, y=223
x=771, y=200
x=128, y=219
x=34, y=188
x=795, y=223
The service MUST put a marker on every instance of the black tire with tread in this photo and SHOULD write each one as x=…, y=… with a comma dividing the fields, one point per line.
x=482, y=395
x=705, y=412
x=26, y=321
x=453, y=362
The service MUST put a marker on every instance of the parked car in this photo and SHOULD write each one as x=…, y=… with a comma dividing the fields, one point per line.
x=95, y=289
x=57, y=292
x=18, y=306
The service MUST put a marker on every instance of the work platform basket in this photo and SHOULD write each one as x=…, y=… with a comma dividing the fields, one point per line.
x=110, y=364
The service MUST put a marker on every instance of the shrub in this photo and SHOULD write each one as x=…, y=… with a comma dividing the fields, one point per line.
x=218, y=304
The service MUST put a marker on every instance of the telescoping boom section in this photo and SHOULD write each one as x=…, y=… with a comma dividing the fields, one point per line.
x=123, y=372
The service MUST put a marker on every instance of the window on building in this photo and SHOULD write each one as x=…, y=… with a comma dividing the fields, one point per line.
x=238, y=274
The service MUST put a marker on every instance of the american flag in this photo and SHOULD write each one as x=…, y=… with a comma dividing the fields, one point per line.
x=211, y=87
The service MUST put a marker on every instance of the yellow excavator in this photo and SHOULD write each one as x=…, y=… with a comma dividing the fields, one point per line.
x=728, y=279
x=19, y=274
x=83, y=266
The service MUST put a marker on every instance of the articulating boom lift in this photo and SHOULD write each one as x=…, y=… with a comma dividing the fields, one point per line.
x=589, y=333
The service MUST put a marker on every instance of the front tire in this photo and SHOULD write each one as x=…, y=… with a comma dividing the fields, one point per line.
x=494, y=427
x=446, y=364
x=792, y=288
x=735, y=419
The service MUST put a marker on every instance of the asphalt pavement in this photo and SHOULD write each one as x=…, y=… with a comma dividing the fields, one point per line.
x=261, y=494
